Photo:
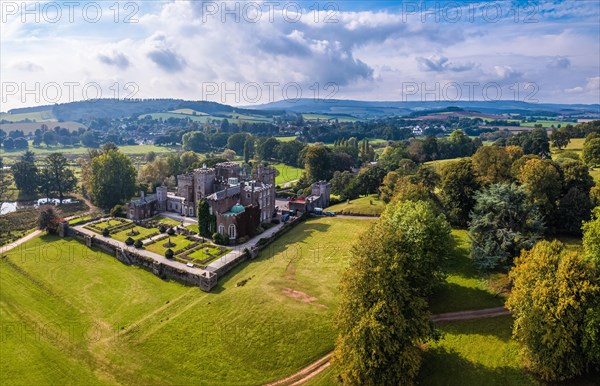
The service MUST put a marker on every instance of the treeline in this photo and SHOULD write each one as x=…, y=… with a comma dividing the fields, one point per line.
x=511, y=200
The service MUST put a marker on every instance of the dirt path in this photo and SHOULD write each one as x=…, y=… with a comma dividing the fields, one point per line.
x=317, y=367
x=20, y=241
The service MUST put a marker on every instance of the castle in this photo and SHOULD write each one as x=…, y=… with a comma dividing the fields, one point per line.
x=239, y=200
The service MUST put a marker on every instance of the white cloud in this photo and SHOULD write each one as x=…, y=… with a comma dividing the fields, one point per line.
x=173, y=52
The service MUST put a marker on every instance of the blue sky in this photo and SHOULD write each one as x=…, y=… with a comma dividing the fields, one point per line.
x=254, y=52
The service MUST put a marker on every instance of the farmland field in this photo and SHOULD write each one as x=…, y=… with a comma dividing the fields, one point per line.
x=31, y=127
x=81, y=150
x=37, y=116
x=548, y=124
x=117, y=324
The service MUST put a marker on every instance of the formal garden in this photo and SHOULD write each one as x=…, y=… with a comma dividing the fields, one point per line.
x=163, y=236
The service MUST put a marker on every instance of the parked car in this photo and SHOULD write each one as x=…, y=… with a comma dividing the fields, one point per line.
x=330, y=214
x=190, y=265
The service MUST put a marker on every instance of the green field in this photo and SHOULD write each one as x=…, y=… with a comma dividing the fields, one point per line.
x=31, y=127
x=81, y=151
x=289, y=138
x=576, y=146
x=327, y=117
x=465, y=288
x=360, y=206
x=37, y=116
x=117, y=324
x=479, y=352
x=548, y=124
x=287, y=173
x=203, y=117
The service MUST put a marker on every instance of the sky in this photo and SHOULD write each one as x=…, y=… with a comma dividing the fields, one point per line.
x=251, y=52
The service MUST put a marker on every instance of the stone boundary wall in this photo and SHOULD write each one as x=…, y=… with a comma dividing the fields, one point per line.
x=206, y=280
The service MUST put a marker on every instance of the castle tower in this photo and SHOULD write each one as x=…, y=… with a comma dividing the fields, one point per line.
x=266, y=175
x=161, y=196
x=204, y=181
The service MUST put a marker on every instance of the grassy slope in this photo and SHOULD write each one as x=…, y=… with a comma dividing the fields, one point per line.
x=155, y=332
x=474, y=353
x=360, y=206
x=465, y=288
x=287, y=173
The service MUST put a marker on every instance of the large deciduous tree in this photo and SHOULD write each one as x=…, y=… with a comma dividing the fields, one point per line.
x=503, y=221
x=591, y=152
x=554, y=301
x=25, y=173
x=491, y=165
x=111, y=178
x=384, y=314
x=458, y=189
x=543, y=182
x=195, y=141
x=55, y=177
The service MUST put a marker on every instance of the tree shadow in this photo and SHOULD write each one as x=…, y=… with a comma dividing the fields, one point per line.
x=451, y=297
x=499, y=327
x=445, y=367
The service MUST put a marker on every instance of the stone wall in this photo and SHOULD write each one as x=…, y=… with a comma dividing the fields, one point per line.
x=205, y=280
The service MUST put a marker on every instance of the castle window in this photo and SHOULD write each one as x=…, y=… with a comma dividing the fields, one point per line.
x=222, y=230
x=232, y=231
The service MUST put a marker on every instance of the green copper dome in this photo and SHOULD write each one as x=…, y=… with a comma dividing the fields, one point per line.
x=237, y=208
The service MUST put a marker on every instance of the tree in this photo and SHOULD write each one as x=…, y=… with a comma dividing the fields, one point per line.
x=591, y=152
x=560, y=138
x=503, y=222
x=49, y=138
x=317, y=163
x=48, y=219
x=188, y=160
x=195, y=141
x=236, y=142
x=591, y=238
x=55, y=177
x=248, y=149
x=457, y=192
x=289, y=152
x=25, y=173
x=491, y=165
x=543, y=183
x=383, y=314
x=554, y=301
x=576, y=203
x=207, y=222
x=5, y=181
x=265, y=148
x=111, y=179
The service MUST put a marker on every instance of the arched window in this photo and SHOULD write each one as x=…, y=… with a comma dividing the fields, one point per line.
x=222, y=229
x=232, y=232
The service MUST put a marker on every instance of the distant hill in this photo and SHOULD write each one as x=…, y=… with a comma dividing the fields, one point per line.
x=372, y=109
x=112, y=108
x=336, y=108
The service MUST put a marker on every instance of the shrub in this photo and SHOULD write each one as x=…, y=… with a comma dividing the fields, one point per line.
x=162, y=228
x=171, y=232
x=138, y=244
x=118, y=211
x=105, y=232
x=129, y=241
x=169, y=253
x=275, y=221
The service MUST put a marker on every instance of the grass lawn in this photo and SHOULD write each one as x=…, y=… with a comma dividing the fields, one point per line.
x=360, y=206
x=110, y=223
x=179, y=241
x=78, y=220
x=192, y=227
x=130, y=327
x=478, y=352
x=287, y=173
x=167, y=221
x=289, y=138
x=465, y=288
x=144, y=233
